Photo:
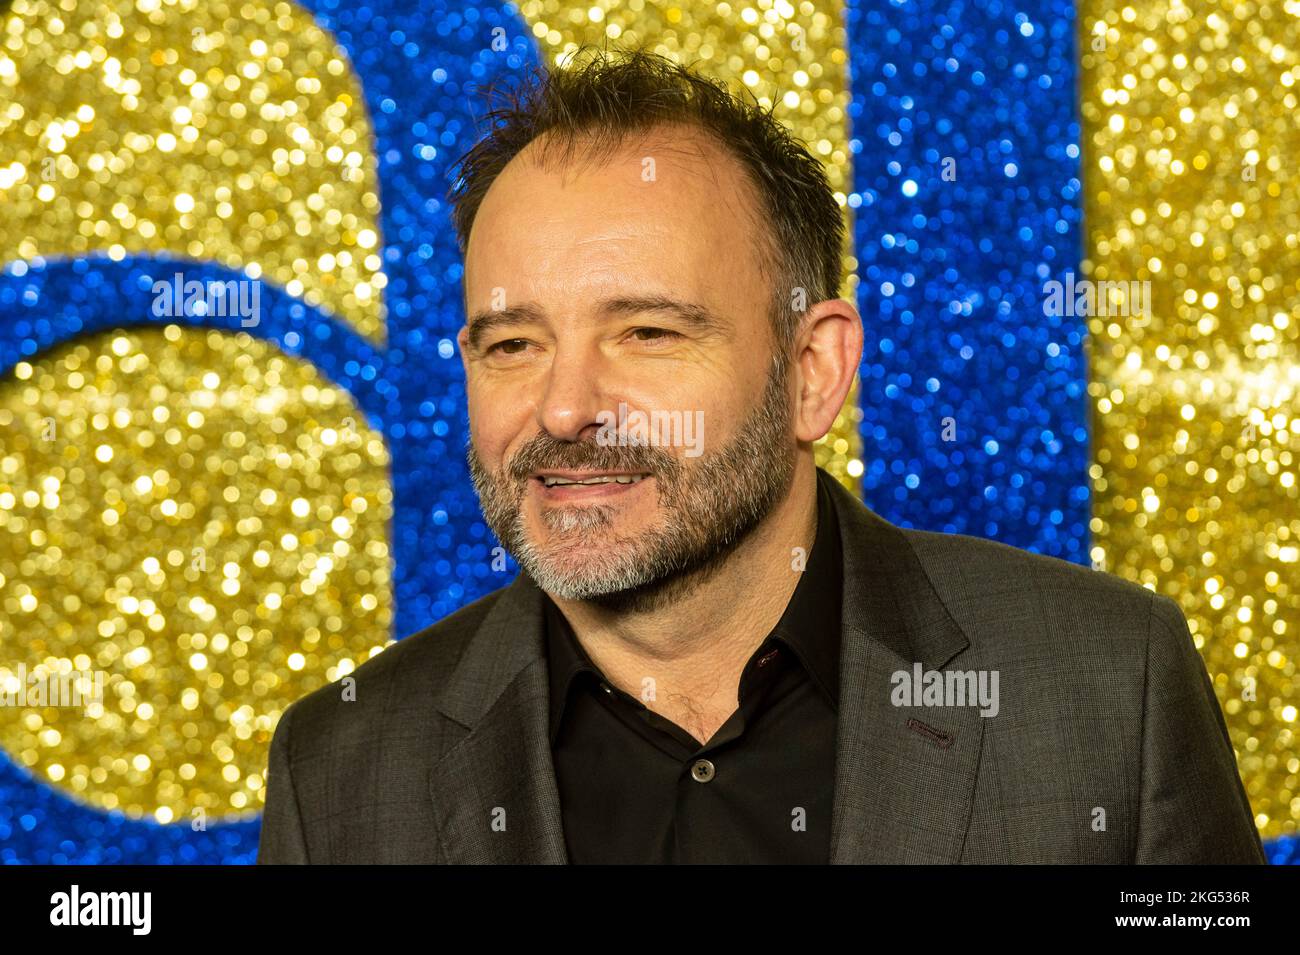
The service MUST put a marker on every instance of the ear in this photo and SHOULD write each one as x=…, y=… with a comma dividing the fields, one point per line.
x=827, y=353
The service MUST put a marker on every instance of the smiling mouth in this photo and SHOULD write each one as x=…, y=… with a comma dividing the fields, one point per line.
x=576, y=480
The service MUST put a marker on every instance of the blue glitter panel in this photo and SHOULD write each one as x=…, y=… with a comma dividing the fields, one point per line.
x=967, y=199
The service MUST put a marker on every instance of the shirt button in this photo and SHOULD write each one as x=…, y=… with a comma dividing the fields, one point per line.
x=762, y=661
x=702, y=771
x=605, y=687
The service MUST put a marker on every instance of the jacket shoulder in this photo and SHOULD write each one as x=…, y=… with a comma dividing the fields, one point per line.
x=417, y=664
x=347, y=770
x=972, y=574
x=1102, y=701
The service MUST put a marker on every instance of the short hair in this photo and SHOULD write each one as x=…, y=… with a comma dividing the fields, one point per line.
x=598, y=101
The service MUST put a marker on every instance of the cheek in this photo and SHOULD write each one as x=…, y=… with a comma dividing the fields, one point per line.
x=697, y=384
x=496, y=423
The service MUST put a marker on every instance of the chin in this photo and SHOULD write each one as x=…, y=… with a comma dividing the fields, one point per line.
x=580, y=535
x=592, y=569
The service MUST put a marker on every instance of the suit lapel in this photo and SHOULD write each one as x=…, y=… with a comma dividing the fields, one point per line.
x=494, y=792
x=902, y=793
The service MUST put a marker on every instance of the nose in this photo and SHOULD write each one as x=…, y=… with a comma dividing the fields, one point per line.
x=573, y=397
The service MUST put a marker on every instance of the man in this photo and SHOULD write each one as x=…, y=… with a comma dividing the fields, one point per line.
x=714, y=652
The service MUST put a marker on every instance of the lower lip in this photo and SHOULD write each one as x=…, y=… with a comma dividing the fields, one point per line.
x=569, y=493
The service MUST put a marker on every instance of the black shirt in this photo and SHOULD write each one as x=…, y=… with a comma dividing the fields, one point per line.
x=636, y=788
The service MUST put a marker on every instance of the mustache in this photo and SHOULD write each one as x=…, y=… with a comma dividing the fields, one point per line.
x=545, y=452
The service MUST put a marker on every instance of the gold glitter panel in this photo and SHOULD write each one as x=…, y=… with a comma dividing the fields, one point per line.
x=1190, y=144
x=791, y=56
x=203, y=518
x=233, y=133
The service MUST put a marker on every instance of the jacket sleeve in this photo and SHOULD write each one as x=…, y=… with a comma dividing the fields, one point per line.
x=282, y=841
x=1192, y=806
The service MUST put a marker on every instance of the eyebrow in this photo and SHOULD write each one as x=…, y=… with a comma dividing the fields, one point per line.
x=695, y=316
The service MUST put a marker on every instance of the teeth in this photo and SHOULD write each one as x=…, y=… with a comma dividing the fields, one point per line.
x=550, y=481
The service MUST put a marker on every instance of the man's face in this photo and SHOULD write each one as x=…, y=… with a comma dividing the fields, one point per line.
x=570, y=273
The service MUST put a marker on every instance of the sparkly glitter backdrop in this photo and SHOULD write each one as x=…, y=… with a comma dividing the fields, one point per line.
x=226, y=517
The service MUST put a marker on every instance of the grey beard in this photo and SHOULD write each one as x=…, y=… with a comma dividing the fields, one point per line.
x=711, y=507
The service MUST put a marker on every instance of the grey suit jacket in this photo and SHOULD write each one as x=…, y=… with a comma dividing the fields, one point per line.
x=1108, y=745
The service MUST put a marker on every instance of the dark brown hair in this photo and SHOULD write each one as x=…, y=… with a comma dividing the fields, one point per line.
x=597, y=100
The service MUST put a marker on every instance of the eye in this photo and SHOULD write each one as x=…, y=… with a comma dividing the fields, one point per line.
x=500, y=347
x=659, y=334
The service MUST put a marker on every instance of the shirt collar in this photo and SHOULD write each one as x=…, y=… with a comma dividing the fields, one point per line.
x=810, y=625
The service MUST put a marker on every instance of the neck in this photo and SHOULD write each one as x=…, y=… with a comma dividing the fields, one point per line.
x=695, y=646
